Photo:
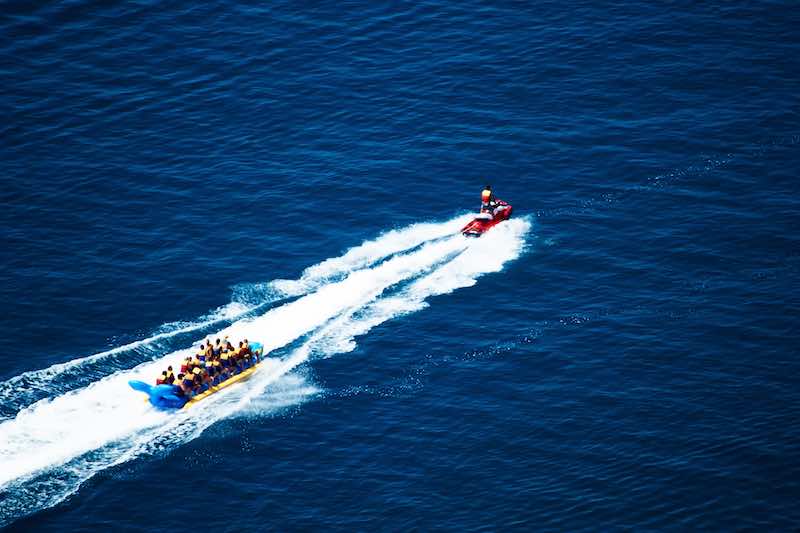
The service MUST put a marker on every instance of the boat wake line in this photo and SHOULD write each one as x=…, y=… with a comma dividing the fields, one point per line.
x=25, y=389
x=57, y=442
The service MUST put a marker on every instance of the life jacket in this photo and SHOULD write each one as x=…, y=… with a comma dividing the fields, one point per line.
x=171, y=378
x=197, y=371
x=486, y=195
x=217, y=349
x=160, y=381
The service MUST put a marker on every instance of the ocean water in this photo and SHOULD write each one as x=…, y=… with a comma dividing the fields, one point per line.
x=621, y=355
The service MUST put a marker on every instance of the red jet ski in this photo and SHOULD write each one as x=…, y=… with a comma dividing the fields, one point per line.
x=487, y=219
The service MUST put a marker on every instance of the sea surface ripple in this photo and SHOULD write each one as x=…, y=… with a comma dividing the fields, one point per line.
x=622, y=355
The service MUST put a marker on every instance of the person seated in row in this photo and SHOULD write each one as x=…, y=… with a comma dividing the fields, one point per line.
x=247, y=353
x=236, y=356
x=201, y=364
x=206, y=376
x=167, y=377
x=208, y=379
x=241, y=356
x=202, y=352
x=199, y=380
x=191, y=382
x=189, y=362
x=219, y=346
x=226, y=366
x=228, y=362
x=189, y=369
x=211, y=365
x=186, y=385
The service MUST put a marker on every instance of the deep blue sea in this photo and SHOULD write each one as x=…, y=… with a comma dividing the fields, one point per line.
x=621, y=355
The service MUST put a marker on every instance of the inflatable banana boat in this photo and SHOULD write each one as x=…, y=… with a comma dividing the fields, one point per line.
x=170, y=397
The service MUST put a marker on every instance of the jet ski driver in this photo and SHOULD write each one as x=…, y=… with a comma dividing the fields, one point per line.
x=490, y=204
x=488, y=200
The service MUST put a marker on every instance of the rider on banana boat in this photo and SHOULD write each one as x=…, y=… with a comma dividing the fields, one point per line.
x=186, y=384
x=225, y=359
x=219, y=374
x=201, y=352
x=209, y=349
x=211, y=365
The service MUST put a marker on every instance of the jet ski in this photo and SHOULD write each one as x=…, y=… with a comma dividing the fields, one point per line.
x=486, y=220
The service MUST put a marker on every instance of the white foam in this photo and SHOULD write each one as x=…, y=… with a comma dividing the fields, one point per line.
x=156, y=432
x=79, y=433
x=484, y=255
x=16, y=389
x=50, y=432
x=368, y=253
x=362, y=256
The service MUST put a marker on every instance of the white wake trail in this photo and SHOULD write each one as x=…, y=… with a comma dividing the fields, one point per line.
x=51, y=447
x=368, y=253
x=53, y=431
x=22, y=390
x=488, y=254
x=42, y=380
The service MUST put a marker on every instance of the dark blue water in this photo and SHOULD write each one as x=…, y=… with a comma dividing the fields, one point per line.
x=622, y=355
